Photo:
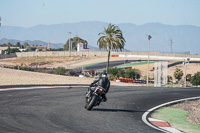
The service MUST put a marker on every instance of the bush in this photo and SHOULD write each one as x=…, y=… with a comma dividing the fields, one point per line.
x=23, y=68
x=144, y=78
x=16, y=67
x=60, y=71
x=195, y=80
x=113, y=71
x=169, y=78
x=188, y=77
x=178, y=74
x=121, y=73
x=111, y=77
x=130, y=73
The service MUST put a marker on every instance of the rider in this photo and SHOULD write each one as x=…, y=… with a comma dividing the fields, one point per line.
x=103, y=82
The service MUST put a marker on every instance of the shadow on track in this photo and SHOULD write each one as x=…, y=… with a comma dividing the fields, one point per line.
x=116, y=110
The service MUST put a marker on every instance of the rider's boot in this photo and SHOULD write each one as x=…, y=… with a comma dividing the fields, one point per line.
x=104, y=98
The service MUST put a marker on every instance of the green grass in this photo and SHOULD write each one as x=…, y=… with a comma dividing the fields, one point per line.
x=127, y=64
x=139, y=63
x=176, y=118
x=135, y=64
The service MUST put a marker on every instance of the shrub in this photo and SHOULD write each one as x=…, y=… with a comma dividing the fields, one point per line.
x=178, y=74
x=144, y=78
x=188, y=77
x=169, y=78
x=16, y=67
x=111, y=77
x=121, y=73
x=60, y=71
x=130, y=73
x=113, y=71
x=195, y=80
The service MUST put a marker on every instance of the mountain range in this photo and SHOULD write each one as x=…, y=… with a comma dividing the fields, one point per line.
x=165, y=38
x=42, y=43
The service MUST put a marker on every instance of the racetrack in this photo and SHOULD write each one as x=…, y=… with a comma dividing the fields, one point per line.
x=60, y=110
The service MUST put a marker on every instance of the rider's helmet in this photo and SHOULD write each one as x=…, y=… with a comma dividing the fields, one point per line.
x=105, y=75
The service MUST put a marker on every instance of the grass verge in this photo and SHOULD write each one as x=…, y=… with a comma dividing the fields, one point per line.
x=134, y=64
x=176, y=118
x=87, y=65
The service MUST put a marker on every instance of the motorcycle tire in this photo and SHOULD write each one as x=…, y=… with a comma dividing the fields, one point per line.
x=90, y=105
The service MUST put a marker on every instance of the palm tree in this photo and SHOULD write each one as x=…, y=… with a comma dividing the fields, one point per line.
x=111, y=39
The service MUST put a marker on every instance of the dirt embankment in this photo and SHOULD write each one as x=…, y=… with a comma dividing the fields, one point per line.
x=19, y=77
x=193, y=109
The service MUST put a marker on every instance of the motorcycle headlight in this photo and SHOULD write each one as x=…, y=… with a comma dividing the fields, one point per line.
x=93, y=88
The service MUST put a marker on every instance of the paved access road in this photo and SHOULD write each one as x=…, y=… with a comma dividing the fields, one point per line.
x=103, y=65
x=61, y=110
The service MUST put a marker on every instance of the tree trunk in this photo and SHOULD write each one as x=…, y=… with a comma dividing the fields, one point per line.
x=107, y=69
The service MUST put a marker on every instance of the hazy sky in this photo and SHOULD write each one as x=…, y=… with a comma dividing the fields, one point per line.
x=27, y=13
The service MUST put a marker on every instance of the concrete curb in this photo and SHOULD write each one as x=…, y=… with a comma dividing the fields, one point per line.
x=159, y=124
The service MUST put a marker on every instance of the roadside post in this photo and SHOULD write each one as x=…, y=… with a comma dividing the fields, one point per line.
x=149, y=38
x=185, y=65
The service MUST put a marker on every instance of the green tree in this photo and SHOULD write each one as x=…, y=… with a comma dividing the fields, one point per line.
x=121, y=73
x=169, y=78
x=111, y=39
x=113, y=71
x=111, y=77
x=74, y=41
x=13, y=50
x=130, y=73
x=26, y=44
x=188, y=77
x=9, y=45
x=60, y=71
x=4, y=45
x=178, y=74
x=195, y=80
x=31, y=49
x=18, y=44
x=8, y=50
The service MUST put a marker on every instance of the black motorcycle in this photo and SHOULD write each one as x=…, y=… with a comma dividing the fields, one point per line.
x=94, y=96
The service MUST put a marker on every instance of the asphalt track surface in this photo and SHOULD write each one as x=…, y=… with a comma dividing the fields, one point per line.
x=111, y=64
x=103, y=65
x=61, y=110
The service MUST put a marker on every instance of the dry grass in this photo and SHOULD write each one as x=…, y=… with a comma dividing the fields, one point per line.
x=72, y=62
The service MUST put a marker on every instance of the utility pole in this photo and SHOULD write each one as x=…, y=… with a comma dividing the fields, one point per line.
x=69, y=43
x=171, y=42
x=185, y=63
x=149, y=37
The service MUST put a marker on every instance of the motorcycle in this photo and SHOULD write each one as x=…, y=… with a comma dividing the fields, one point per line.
x=94, y=96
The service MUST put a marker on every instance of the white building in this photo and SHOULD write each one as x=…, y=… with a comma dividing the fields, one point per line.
x=80, y=48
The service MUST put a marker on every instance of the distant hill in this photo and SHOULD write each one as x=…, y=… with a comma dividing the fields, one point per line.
x=38, y=42
x=34, y=42
x=185, y=38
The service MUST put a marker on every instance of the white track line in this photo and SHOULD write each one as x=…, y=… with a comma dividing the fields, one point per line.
x=145, y=119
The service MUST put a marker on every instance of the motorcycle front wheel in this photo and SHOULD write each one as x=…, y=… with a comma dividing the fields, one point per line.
x=91, y=104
